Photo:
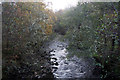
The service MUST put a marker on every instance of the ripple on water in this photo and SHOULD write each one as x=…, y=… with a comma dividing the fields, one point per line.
x=66, y=68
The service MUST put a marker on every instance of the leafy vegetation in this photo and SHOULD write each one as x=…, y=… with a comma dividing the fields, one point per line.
x=26, y=27
x=92, y=30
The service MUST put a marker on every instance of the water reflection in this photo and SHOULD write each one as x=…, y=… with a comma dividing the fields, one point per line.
x=63, y=67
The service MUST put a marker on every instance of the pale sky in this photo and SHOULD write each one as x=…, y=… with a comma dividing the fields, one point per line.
x=61, y=4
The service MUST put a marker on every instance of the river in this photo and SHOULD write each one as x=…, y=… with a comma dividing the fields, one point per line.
x=63, y=67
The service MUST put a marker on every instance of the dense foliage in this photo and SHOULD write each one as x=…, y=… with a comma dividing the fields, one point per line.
x=92, y=30
x=26, y=27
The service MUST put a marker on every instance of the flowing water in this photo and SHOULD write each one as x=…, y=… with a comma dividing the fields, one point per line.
x=67, y=68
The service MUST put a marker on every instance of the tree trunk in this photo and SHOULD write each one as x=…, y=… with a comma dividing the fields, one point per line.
x=113, y=44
